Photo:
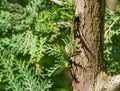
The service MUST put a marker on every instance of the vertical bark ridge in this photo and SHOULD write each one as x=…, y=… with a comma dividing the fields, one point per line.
x=88, y=36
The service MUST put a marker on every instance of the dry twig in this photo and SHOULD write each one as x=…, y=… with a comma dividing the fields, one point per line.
x=113, y=23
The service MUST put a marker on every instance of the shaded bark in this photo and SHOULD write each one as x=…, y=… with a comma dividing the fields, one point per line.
x=87, y=64
x=88, y=38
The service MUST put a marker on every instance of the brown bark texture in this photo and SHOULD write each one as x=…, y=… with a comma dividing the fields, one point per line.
x=87, y=63
x=88, y=38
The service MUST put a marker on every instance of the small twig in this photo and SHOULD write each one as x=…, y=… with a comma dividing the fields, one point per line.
x=113, y=23
x=57, y=2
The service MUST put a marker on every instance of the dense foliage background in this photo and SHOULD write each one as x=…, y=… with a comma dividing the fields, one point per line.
x=112, y=41
x=36, y=43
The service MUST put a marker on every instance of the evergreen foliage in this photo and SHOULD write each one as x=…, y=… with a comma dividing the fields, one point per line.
x=30, y=30
x=112, y=42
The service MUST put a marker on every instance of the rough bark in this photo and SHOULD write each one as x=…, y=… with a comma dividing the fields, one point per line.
x=87, y=64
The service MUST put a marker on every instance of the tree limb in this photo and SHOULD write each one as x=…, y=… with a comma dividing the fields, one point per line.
x=57, y=2
x=107, y=83
x=115, y=83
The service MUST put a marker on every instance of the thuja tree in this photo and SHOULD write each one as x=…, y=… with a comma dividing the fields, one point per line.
x=87, y=63
x=30, y=46
x=35, y=34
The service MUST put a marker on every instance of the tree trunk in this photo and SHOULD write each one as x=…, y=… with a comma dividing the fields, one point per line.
x=87, y=64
